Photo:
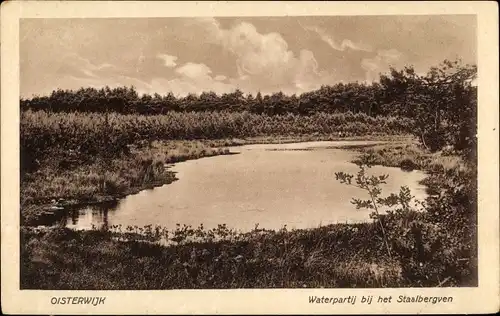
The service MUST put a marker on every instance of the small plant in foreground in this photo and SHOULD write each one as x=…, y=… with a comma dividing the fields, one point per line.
x=420, y=245
x=371, y=184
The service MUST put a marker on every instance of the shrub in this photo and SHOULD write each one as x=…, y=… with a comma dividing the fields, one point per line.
x=434, y=241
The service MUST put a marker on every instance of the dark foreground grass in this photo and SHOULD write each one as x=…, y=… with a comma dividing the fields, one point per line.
x=334, y=256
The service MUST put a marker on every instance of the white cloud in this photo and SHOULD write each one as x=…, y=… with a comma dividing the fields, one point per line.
x=220, y=78
x=193, y=78
x=193, y=70
x=346, y=43
x=264, y=61
x=182, y=87
x=112, y=81
x=380, y=63
x=168, y=60
x=85, y=66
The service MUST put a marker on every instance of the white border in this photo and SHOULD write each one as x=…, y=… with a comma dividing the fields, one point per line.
x=482, y=299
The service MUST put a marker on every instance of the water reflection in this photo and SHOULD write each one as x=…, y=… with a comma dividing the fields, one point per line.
x=96, y=216
x=259, y=186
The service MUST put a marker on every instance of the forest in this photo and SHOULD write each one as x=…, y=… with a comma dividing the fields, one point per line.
x=339, y=98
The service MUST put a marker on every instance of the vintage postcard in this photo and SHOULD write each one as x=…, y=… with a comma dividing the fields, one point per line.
x=249, y=157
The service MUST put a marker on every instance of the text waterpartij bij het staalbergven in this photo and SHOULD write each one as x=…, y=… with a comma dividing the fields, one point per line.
x=369, y=299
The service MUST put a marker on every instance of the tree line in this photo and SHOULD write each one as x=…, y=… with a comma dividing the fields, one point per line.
x=443, y=102
x=339, y=98
x=377, y=98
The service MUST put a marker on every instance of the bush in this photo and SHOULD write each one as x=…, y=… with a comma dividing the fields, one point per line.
x=434, y=241
x=408, y=165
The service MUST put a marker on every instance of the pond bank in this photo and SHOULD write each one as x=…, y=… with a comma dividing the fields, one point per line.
x=102, y=181
x=52, y=188
x=271, y=185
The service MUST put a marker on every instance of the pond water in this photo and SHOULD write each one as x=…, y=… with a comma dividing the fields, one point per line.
x=271, y=184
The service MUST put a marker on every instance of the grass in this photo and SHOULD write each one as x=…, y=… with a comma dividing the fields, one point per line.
x=104, y=180
x=308, y=138
x=93, y=134
x=334, y=256
x=70, y=128
x=408, y=155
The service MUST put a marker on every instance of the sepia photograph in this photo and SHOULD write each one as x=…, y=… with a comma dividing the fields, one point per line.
x=236, y=151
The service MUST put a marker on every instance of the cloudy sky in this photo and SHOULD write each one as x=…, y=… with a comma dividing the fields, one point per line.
x=191, y=55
